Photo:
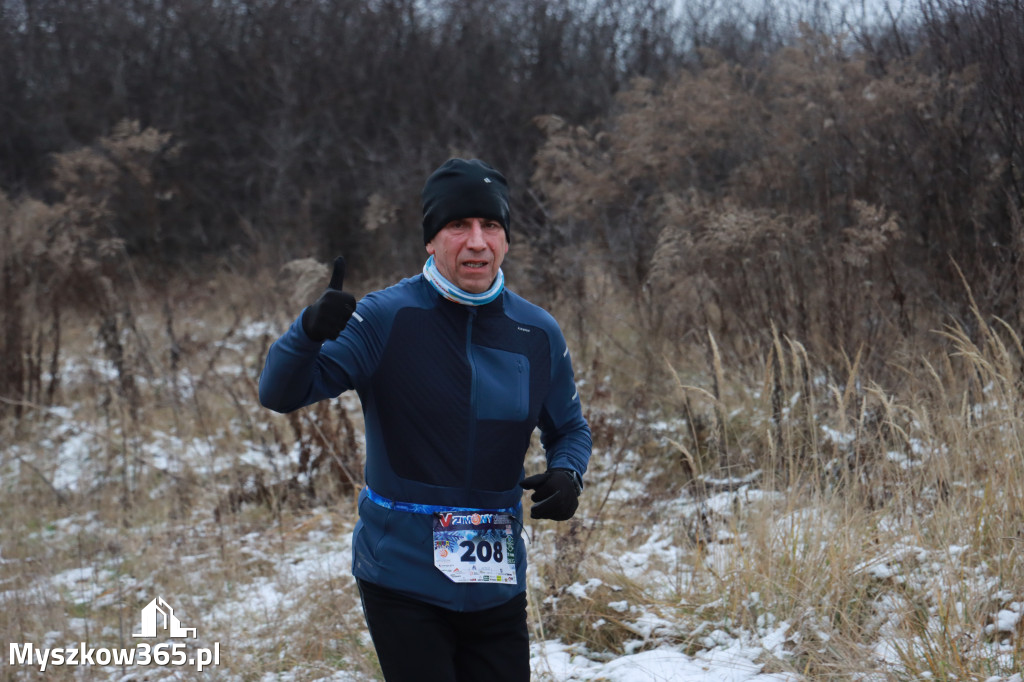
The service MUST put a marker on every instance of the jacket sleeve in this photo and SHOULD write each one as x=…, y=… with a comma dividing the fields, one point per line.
x=564, y=431
x=299, y=371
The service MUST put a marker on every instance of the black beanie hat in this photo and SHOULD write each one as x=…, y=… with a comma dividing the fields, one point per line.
x=464, y=189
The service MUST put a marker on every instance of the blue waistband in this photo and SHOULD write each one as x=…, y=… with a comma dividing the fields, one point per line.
x=417, y=508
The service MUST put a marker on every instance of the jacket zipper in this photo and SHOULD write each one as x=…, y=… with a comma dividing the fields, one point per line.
x=471, y=435
x=468, y=482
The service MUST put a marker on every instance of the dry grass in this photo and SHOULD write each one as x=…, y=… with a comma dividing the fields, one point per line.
x=808, y=437
x=181, y=486
x=861, y=531
x=847, y=520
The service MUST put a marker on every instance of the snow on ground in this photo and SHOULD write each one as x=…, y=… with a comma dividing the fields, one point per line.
x=253, y=617
x=259, y=615
x=553, y=661
x=269, y=611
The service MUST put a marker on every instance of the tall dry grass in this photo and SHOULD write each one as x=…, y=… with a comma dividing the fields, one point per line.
x=748, y=485
x=185, y=488
x=863, y=530
x=135, y=460
x=823, y=425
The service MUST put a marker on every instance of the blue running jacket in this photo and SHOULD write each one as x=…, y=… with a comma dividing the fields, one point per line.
x=451, y=395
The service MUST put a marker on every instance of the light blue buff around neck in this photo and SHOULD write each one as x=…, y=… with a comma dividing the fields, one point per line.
x=454, y=293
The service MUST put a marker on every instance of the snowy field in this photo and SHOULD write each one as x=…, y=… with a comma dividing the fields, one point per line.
x=272, y=592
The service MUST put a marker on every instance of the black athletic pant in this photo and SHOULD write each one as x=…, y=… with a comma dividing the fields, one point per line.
x=420, y=642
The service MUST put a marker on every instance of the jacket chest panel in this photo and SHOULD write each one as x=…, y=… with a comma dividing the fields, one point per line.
x=459, y=364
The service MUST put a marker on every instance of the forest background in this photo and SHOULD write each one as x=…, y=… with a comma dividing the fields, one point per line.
x=793, y=231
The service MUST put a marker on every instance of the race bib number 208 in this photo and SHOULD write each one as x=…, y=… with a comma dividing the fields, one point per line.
x=475, y=547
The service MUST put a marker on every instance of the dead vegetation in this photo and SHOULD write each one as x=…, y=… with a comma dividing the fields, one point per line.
x=790, y=284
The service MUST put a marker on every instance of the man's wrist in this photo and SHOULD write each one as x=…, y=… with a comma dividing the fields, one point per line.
x=577, y=480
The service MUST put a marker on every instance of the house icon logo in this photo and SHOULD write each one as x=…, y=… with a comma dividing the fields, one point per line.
x=158, y=615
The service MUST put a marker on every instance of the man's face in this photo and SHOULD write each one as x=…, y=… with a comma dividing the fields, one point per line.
x=469, y=252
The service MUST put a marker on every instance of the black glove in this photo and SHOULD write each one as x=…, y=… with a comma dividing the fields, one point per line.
x=556, y=496
x=328, y=316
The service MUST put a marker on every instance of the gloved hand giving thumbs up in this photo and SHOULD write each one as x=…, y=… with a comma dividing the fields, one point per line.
x=328, y=316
